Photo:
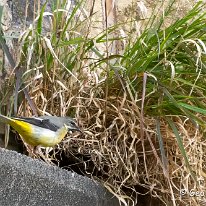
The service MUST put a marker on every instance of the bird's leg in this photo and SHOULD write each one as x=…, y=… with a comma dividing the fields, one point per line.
x=31, y=150
x=44, y=156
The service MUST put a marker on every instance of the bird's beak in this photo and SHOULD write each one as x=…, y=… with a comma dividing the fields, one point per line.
x=76, y=129
x=73, y=128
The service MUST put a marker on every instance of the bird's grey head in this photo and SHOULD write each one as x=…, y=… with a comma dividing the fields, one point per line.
x=71, y=125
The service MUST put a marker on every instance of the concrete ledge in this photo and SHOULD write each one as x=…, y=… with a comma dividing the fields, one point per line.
x=25, y=181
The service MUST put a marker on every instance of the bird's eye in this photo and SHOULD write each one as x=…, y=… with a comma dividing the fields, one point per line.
x=73, y=123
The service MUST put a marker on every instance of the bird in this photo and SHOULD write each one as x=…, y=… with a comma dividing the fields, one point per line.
x=45, y=131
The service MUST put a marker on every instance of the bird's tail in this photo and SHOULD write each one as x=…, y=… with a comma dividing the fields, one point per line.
x=5, y=119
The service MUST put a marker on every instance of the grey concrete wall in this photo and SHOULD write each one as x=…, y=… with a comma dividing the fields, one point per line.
x=27, y=182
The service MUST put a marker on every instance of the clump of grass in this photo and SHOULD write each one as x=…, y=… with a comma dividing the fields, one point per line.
x=143, y=124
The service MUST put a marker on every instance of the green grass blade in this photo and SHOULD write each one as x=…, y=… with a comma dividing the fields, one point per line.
x=161, y=145
x=181, y=146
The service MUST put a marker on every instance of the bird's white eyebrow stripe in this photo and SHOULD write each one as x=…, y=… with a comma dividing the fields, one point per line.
x=37, y=118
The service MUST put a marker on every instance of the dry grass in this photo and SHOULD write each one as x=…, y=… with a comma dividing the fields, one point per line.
x=121, y=151
x=126, y=159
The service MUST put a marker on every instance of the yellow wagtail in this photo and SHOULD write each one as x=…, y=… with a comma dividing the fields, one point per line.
x=45, y=131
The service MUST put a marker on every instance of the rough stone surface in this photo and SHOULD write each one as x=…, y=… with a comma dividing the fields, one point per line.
x=26, y=181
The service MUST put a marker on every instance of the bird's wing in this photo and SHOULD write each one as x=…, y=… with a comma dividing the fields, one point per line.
x=44, y=123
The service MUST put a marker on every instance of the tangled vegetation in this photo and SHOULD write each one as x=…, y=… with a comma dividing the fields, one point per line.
x=142, y=110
